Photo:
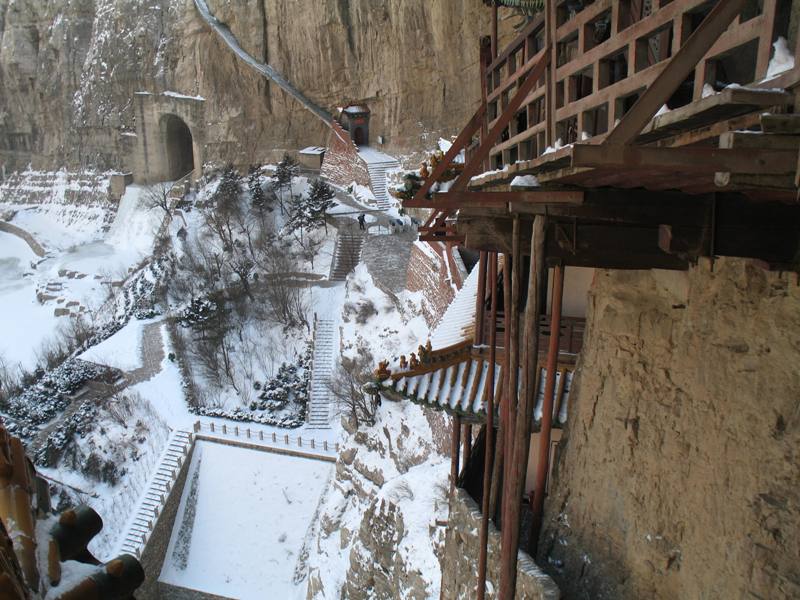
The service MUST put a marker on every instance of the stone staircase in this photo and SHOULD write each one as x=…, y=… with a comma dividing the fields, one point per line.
x=377, y=181
x=320, y=403
x=347, y=253
x=160, y=485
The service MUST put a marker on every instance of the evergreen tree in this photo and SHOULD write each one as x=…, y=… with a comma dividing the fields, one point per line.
x=227, y=192
x=320, y=199
x=301, y=215
x=259, y=199
x=286, y=171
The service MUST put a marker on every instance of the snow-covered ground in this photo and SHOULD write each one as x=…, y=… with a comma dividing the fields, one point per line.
x=243, y=522
x=123, y=350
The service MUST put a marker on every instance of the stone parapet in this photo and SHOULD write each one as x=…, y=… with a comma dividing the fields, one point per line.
x=460, y=568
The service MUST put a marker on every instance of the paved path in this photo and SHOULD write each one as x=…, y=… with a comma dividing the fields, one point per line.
x=326, y=343
x=347, y=251
x=377, y=165
x=387, y=257
x=152, y=354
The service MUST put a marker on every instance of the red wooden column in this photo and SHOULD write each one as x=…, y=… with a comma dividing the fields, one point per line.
x=547, y=407
x=455, y=442
x=466, y=435
x=489, y=439
x=518, y=460
x=506, y=396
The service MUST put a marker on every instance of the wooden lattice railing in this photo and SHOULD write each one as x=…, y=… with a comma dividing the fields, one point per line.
x=606, y=55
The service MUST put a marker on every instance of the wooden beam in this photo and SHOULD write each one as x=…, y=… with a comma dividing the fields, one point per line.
x=509, y=545
x=465, y=199
x=789, y=124
x=488, y=453
x=547, y=408
x=505, y=118
x=685, y=59
x=435, y=237
x=609, y=247
x=696, y=158
x=459, y=144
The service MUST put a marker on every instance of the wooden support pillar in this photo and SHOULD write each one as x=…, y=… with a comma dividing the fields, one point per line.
x=466, y=443
x=513, y=348
x=455, y=443
x=547, y=408
x=494, y=30
x=480, y=298
x=550, y=78
x=518, y=463
x=507, y=396
x=489, y=439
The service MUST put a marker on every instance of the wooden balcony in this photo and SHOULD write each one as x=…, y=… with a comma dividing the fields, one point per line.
x=605, y=55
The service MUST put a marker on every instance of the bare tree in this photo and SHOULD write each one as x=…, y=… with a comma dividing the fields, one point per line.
x=347, y=387
x=283, y=296
x=157, y=195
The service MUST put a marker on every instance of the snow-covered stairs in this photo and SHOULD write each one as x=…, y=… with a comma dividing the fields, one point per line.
x=377, y=181
x=320, y=405
x=347, y=253
x=160, y=485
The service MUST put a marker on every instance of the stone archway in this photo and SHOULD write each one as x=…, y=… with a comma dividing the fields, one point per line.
x=178, y=146
x=170, y=137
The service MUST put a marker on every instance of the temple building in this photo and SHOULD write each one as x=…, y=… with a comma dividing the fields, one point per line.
x=629, y=179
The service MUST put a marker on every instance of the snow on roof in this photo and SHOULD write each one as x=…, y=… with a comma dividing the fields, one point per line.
x=182, y=96
x=355, y=109
x=313, y=150
x=458, y=322
x=461, y=385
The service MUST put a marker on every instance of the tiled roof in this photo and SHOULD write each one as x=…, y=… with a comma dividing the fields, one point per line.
x=455, y=379
x=458, y=322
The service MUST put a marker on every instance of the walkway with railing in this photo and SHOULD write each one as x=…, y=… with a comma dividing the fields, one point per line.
x=274, y=441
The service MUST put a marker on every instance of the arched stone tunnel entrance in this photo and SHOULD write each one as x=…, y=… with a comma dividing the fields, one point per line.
x=170, y=137
x=178, y=146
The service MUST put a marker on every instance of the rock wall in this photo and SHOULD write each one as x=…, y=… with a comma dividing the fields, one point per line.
x=69, y=71
x=678, y=474
x=380, y=533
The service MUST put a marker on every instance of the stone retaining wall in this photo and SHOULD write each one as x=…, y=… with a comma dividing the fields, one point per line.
x=35, y=247
x=342, y=164
x=155, y=551
x=460, y=566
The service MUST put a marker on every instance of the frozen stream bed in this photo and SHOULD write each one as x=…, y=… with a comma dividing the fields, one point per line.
x=76, y=274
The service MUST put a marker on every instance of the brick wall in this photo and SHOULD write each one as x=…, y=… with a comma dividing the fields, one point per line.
x=438, y=274
x=342, y=164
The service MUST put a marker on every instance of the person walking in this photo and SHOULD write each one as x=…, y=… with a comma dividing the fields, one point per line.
x=362, y=219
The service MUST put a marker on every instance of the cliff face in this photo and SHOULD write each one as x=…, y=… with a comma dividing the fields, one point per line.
x=678, y=478
x=68, y=71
